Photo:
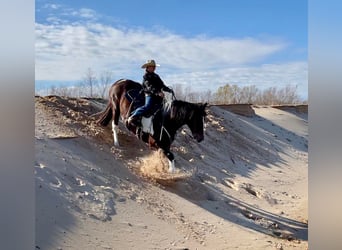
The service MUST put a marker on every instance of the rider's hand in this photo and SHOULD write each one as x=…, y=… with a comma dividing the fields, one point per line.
x=161, y=94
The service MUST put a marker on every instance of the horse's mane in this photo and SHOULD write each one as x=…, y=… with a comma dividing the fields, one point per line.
x=181, y=110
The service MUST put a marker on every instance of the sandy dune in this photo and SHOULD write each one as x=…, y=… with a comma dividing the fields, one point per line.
x=246, y=185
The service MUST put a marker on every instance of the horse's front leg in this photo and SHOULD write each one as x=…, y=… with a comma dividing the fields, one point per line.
x=115, y=129
x=171, y=160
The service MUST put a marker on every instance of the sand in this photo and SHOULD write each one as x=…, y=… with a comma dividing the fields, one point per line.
x=244, y=187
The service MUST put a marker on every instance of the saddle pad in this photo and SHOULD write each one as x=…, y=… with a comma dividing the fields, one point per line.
x=147, y=125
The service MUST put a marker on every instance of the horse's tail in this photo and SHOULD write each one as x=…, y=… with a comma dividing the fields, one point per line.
x=106, y=116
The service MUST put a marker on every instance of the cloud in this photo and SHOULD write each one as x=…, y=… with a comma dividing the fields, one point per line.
x=66, y=48
x=52, y=6
x=84, y=13
x=67, y=43
x=263, y=77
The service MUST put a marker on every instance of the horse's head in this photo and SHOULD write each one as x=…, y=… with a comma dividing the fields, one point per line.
x=190, y=114
x=196, y=121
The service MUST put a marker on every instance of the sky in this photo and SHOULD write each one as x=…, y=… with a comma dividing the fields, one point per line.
x=203, y=44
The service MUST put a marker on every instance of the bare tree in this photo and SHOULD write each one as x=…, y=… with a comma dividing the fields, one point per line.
x=205, y=96
x=223, y=94
x=53, y=90
x=235, y=94
x=105, y=80
x=62, y=91
x=228, y=94
x=187, y=93
x=288, y=95
x=249, y=94
x=269, y=96
x=90, y=80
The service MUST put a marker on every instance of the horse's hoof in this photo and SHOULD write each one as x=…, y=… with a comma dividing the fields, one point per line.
x=172, y=167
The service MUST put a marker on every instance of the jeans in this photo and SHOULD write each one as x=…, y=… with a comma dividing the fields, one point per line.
x=151, y=105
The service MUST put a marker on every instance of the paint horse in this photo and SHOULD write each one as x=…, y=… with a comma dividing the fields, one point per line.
x=159, y=129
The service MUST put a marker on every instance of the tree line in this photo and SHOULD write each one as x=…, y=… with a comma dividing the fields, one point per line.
x=233, y=94
x=94, y=87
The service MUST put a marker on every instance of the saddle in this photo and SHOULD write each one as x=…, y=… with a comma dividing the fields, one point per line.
x=137, y=99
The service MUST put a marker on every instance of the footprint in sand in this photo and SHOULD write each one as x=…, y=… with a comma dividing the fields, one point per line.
x=270, y=227
x=257, y=193
x=230, y=183
x=250, y=189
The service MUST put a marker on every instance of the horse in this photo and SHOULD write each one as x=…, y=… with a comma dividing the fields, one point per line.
x=126, y=95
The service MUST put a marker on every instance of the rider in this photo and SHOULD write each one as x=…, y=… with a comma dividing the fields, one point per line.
x=152, y=87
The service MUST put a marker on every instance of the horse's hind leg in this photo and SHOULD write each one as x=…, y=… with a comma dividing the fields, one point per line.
x=115, y=129
x=115, y=125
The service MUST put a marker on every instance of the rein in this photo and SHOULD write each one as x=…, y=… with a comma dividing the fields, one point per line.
x=162, y=126
x=167, y=132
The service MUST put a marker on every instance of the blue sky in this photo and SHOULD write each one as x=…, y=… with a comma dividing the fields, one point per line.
x=203, y=44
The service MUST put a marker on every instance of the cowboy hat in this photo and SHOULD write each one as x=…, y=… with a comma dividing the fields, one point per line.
x=149, y=63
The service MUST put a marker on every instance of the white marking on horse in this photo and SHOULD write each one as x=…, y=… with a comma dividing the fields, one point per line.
x=172, y=166
x=115, y=130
